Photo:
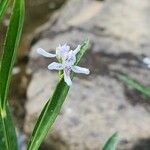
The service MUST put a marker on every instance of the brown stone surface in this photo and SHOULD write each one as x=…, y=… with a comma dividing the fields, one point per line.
x=99, y=104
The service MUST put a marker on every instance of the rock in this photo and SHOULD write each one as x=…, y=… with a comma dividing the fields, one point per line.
x=121, y=28
x=45, y=7
x=99, y=104
x=94, y=109
x=111, y=47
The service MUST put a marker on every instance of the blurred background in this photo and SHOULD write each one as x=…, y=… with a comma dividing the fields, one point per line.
x=99, y=104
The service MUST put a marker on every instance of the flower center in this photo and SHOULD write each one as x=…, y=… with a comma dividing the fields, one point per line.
x=70, y=59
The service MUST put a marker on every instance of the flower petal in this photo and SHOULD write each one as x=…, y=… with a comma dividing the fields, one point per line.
x=62, y=50
x=77, y=49
x=67, y=77
x=146, y=60
x=44, y=53
x=66, y=47
x=78, y=69
x=55, y=66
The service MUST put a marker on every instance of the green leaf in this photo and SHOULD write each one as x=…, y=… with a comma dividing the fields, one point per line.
x=84, y=47
x=52, y=108
x=8, y=140
x=3, y=7
x=10, y=46
x=136, y=85
x=111, y=142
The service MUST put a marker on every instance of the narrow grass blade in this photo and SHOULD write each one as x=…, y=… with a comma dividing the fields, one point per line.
x=136, y=85
x=8, y=140
x=111, y=142
x=3, y=7
x=10, y=46
x=52, y=108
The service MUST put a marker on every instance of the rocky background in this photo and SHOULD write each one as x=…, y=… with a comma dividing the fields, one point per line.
x=99, y=104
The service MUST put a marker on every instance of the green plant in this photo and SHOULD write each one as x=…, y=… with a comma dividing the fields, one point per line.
x=53, y=106
x=7, y=134
x=67, y=64
x=135, y=84
x=111, y=142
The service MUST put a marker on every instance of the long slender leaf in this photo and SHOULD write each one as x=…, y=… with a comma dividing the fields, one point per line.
x=136, y=85
x=111, y=142
x=52, y=108
x=11, y=44
x=3, y=7
x=8, y=140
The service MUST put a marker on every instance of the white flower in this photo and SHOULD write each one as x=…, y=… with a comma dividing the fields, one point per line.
x=68, y=58
x=67, y=65
x=61, y=51
x=146, y=60
x=44, y=53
